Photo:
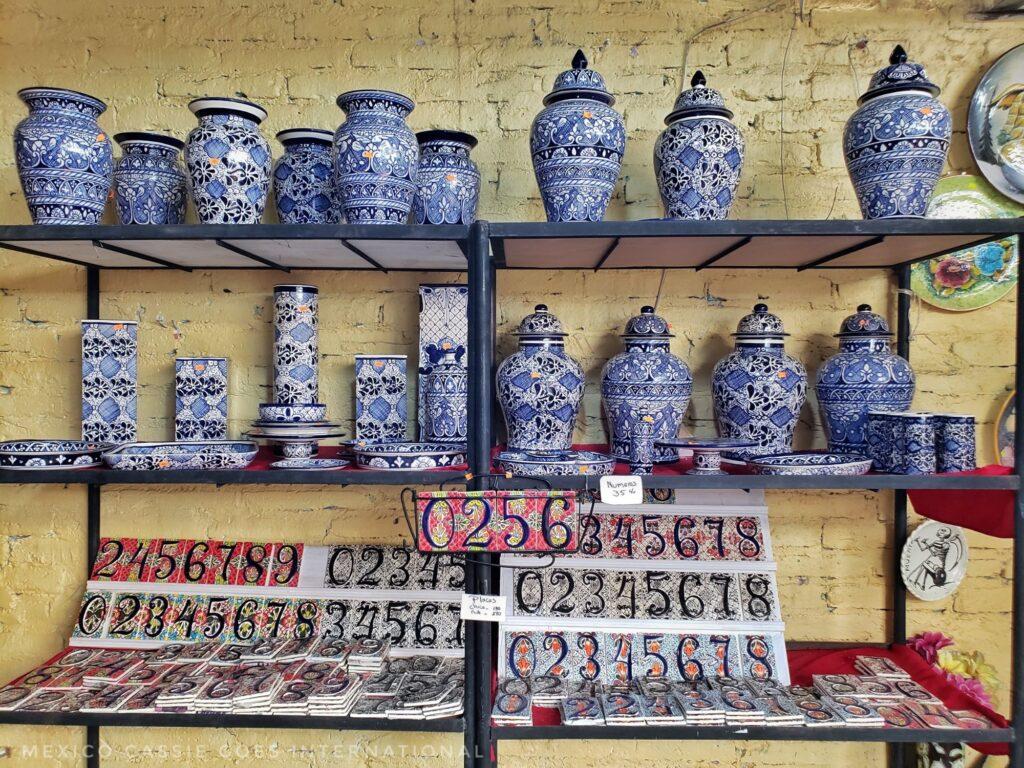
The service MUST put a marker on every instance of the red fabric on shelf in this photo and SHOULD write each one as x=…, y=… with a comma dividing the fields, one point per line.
x=989, y=512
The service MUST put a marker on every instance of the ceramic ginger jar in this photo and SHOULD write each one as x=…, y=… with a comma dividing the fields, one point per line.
x=896, y=142
x=150, y=186
x=446, y=401
x=304, y=178
x=577, y=142
x=448, y=182
x=865, y=375
x=646, y=380
x=758, y=389
x=540, y=387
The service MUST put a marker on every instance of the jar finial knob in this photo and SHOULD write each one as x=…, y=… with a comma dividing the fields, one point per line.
x=864, y=308
x=899, y=56
x=541, y=308
x=760, y=308
x=698, y=79
x=647, y=309
x=579, y=61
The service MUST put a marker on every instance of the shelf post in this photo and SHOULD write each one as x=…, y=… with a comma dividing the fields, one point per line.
x=92, y=526
x=1017, y=646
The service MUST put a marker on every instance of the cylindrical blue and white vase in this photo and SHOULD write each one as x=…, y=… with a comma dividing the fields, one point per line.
x=304, y=178
x=110, y=381
x=448, y=182
x=954, y=442
x=917, y=443
x=64, y=158
x=446, y=401
x=228, y=161
x=641, y=446
x=882, y=435
x=150, y=185
x=296, y=344
x=381, y=398
x=200, y=398
x=375, y=157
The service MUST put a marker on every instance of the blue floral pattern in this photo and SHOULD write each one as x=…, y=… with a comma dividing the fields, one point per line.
x=109, y=381
x=446, y=401
x=296, y=344
x=304, y=179
x=150, y=186
x=448, y=182
x=200, y=398
x=381, y=398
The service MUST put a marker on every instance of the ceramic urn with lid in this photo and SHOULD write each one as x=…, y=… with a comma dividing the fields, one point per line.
x=896, y=142
x=699, y=156
x=865, y=375
x=577, y=142
x=646, y=380
x=758, y=389
x=539, y=387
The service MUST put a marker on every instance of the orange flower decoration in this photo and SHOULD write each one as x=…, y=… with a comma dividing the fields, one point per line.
x=200, y=367
x=101, y=136
x=214, y=161
x=368, y=154
x=925, y=110
x=450, y=177
x=782, y=374
x=587, y=114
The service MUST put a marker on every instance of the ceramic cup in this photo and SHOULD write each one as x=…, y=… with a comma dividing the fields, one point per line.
x=917, y=443
x=882, y=433
x=954, y=442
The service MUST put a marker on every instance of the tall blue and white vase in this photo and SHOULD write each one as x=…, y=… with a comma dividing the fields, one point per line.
x=304, y=178
x=865, y=375
x=577, y=143
x=64, y=158
x=896, y=142
x=228, y=161
x=447, y=182
x=296, y=344
x=200, y=398
x=446, y=401
x=110, y=378
x=645, y=380
x=540, y=387
x=758, y=389
x=444, y=328
x=375, y=157
x=381, y=398
x=150, y=186
x=699, y=156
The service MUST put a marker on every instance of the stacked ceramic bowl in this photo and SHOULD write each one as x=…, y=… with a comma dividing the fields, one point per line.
x=294, y=430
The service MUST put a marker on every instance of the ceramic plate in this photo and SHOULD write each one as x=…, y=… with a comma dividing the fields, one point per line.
x=212, y=454
x=1006, y=426
x=707, y=443
x=934, y=560
x=411, y=455
x=995, y=124
x=531, y=464
x=51, y=454
x=811, y=463
x=309, y=465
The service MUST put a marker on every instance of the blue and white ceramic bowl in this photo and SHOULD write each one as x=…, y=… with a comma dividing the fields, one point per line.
x=51, y=454
x=309, y=464
x=811, y=463
x=292, y=413
x=530, y=464
x=411, y=455
x=213, y=454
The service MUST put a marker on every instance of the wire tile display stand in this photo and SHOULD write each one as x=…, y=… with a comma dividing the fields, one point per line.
x=481, y=250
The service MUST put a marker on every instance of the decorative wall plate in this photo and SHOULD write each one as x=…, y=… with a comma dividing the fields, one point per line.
x=966, y=196
x=811, y=463
x=968, y=279
x=213, y=454
x=934, y=560
x=411, y=455
x=51, y=454
x=1006, y=426
x=310, y=464
x=995, y=124
x=530, y=464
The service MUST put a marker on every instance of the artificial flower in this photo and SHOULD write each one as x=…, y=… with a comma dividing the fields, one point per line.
x=928, y=644
x=971, y=687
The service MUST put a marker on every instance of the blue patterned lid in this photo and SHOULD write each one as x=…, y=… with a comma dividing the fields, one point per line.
x=900, y=75
x=760, y=324
x=541, y=325
x=863, y=323
x=647, y=325
x=580, y=82
x=698, y=100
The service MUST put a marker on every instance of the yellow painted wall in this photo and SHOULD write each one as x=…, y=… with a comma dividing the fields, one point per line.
x=480, y=66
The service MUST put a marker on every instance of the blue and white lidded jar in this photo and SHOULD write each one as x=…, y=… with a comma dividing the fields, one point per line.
x=200, y=398
x=645, y=379
x=954, y=442
x=296, y=344
x=150, y=185
x=375, y=157
x=577, y=143
x=110, y=381
x=758, y=389
x=64, y=158
x=540, y=387
x=865, y=375
x=304, y=178
x=447, y=182
x=699, y=156
x=228, y=161
x=446, y=401
x=917, y=443
x=896, y=142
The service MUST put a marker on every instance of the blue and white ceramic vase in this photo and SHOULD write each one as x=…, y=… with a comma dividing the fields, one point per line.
x=381, y=398
x=896, y=142
x=646, y=379
x=954, y=442
x=865, y=375
x=577, y=142
x=448, y=182
x=375, y=157
x=444, y=327
x=64, y=158
x=110, y=381
x=296, y=344
x=699, y=156
x=540, y=387
x=446, y=401
x=758, y=389
x=228, y=161
x=150, y=186
x=200, y=398
x=304, y=178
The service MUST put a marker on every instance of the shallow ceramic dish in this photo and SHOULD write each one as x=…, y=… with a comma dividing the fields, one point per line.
x=995, y=124
x=811, y=463
x=309, y=465
x=707, y=451
x=530, y=464
x=298, y=430
x=934, y=560
x=410, y=455
x=51, y=454
x=299, y=413
x=212, y=454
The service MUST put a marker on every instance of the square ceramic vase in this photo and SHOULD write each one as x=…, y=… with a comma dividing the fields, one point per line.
x=201, y=398
x=444, y=324
x=110, y=380
x=381, y=398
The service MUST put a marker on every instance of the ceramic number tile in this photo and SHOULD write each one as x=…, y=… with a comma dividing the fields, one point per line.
x=200, y=398
x=381, y=398
x=121, y=560
x=444, y=325
x=286, y=561
x=760, y=657
x=110, y=381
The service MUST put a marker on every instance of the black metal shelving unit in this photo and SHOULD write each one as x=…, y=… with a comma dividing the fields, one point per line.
x=480, y=251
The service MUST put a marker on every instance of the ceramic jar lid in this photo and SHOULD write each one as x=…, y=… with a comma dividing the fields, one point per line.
x=647, y=325
x=580, y=82
x=541, y=325
x=900, y=75
x=864, y=323
x=760, y=324
x=698, y=101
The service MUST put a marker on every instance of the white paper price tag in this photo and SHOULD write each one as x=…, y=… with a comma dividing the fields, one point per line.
x=483, y=608
x=628, y=489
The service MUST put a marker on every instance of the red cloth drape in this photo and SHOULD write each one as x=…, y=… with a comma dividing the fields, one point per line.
x=989, y=512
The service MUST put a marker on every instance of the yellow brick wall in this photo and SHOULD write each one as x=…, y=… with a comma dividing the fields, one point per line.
x=480, y=66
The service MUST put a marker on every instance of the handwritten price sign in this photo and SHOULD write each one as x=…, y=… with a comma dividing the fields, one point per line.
x=622, y=490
